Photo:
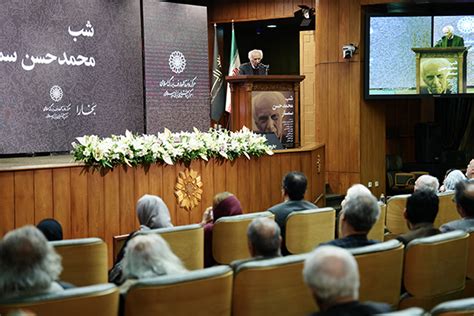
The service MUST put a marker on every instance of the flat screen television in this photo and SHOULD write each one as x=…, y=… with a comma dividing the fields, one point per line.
x=411, y=55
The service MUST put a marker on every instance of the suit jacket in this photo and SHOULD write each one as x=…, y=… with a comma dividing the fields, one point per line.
x=456, y=41
x=355, y=309
x=247, y=70
x=418, y=231
x=352, y=241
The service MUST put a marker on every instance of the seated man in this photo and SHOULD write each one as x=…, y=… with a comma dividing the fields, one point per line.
x=333, y=278
x=427, y=182
x=28, y=264
x=359, y=213
x=464, y=197
x=420, y=213
x=293, y=190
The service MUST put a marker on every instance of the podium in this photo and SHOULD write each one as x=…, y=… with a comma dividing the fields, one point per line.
x=451, y=59
x=267, y=104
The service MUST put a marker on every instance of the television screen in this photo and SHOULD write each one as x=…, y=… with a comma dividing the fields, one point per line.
x=411, y=56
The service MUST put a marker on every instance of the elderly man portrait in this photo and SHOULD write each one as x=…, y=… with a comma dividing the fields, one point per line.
x=332, y=275
x=267, y=113
x=359, y=213
x=434, y=74
x=254, y=66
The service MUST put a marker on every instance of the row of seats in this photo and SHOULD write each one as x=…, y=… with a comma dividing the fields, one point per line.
x=433, y=269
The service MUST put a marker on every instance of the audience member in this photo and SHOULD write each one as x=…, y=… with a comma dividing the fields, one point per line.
x=452, y=177
x=224, y=204
x=264, y=238
x=420, y=214
x=293, y=190
x=359, y=213
x=51, y=229
x=152, y=213
x=464, y=198
x=427, y=182
x=470, y=170
x=148, y=256
x=28, y=264
x=333, y=277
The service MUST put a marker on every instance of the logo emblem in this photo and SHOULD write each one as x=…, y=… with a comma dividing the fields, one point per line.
x=466, y=24
x=177, y=62
x=56, y=93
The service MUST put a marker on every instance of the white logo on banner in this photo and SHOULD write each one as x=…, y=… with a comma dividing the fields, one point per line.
x=56, y=93
x=466, y=24
x=177, y=62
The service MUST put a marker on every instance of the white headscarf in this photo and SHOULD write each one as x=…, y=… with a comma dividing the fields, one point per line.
x=153, y=213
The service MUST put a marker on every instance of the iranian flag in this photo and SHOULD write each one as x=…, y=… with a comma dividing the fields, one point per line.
x=234, y=63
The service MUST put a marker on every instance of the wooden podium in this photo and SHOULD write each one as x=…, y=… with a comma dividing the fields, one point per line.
x=456, y=56
x=246, y=91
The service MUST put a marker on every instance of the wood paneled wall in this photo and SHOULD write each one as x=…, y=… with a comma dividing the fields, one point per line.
x=90, y=204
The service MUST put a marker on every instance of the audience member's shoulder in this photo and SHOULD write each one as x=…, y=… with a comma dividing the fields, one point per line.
x=276, y=207
x=374, y=308
x=459, y=224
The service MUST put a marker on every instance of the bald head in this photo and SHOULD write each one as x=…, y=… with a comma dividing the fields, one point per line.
x=264, y=237
x=464, y=196
x=427, y=182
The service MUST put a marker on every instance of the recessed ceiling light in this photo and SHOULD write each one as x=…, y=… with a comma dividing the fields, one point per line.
x=271, y=26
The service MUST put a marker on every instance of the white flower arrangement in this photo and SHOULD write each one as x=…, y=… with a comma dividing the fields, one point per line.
x=168, y=148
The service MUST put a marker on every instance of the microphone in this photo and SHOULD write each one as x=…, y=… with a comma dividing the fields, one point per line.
x=266, y=67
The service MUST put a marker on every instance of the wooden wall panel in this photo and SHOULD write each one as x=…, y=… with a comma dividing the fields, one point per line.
x=24, y=198
x=79, y=204
x=7, y=202
x=62, y=199
x=43, y=194
x=93, y=204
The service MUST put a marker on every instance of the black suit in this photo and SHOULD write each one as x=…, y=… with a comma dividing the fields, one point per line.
x=247, y=70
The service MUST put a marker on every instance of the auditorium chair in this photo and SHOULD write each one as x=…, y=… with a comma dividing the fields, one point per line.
x=412, y=311
x=454, y=308
x=377, y=232
x=200, y=292
x=395, y=221
x=435, y=269
x=99, y=299
x=84, y=260
x=272, y=287
x=380, y=270
x=186, y=241
x=447, y=209
x=229, y=237
x=307, y=229
x=469, y=289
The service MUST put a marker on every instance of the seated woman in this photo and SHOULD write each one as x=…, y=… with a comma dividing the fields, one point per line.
x=51, y=229
x=152, y=213
x=148, y=256
x=224, y=204
x=29, y=265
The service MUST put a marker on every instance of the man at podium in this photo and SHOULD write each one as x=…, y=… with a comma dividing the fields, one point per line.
x=449, y=39
x=254, y=67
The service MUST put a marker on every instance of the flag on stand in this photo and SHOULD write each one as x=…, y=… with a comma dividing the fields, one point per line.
x=217, y=88
x=234, y=63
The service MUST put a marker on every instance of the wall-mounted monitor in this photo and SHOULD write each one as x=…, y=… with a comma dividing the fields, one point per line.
x=419, y=55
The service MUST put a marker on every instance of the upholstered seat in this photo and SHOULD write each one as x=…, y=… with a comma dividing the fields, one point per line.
x=272, y=287
x=229, y=237
x=307, y=229
x=454, y=308
x=200, y=292
x=186, y=241
x=383, y=260
x=84, y=260
x=101, y=299
x=395, y=221
x=447, y=209
x=435, y=269
x=412, y=311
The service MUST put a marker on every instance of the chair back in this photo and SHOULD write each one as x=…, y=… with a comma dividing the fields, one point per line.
x=201, y=292
x=470, y=255
x=436, y=265
x=412, y=311
x=84, y=260
x=307, y=229
x=395, y=221
x=272, y=287
x=447, y=209
x=187, y=242
x=100, y=299
x=378, y=230
x=229, y=237
x=454, y=308
x=374, y=261
x=117, y=244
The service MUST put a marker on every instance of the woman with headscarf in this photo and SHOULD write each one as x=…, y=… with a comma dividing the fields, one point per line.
x=51, y=229
x=152, y=213
x=224, y=204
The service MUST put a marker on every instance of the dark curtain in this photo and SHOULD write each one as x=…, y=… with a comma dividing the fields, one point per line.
x=455, y=117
